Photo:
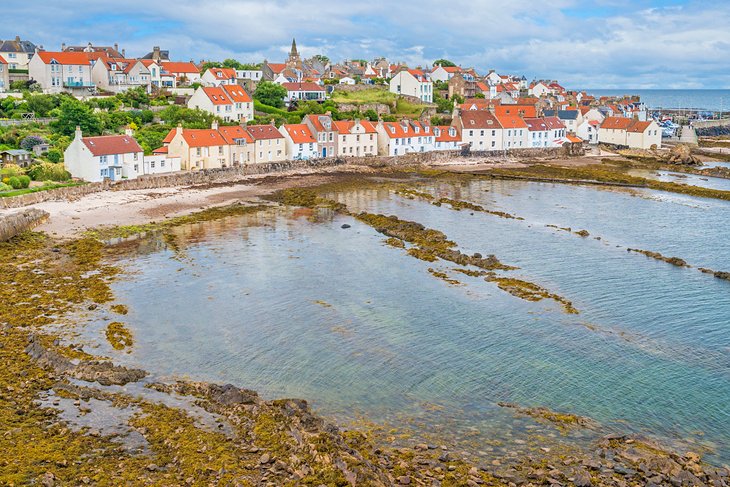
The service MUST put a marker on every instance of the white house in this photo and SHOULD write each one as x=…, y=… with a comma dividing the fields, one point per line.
x=539, y=89
x=447, y=138
x=118, y=75
x=4, y=75
x=356, y=138
x=399, y=138
x=514, y=131
x=571, y=118
x=588, y=131
x=479, y=129
x=493, y=78
x=160, y=162
x=306, y=91
x=630, y=132
x=254, y=75
x=412, y=82
x=112, y=157
x=444, y=73
x=229, y=102
x=179, y=73
x=557, y=130
x=538, y=132
x=300, y=143
x=219, y=76
x=57, y=72
x=347, y=81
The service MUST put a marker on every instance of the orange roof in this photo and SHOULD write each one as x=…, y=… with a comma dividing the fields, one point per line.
x=231, y=133
x=479, y=119
x=170, y=135
x=299, y=133
x=216, y=95
x=111, y=144
x=161, y=150
x=203, y=137
x=223, y=73
x=638, y=127
x=574, y=139
x=511, y=121
x=527, y=111
x=277, y=67
x=482, y=86
x=264, y=132
x=3, y=61
x=554, y=123
x=148, y=62
x=317, y=122
x=445, y=136
x=237, y=94
x=173, y=67
x=344, y=126
x=616, y=123
x=407, y=128
x=72, y=58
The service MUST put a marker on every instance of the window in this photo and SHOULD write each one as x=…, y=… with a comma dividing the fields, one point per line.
x=102, y=159
x=220, y=150
x=152, y=164
x=136, y=168
x=136, y=156
x=481, y=132
x=471, y=133
x=198, y=152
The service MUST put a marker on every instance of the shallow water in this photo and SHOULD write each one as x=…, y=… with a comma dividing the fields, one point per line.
x=289, y=307
x=682, y=178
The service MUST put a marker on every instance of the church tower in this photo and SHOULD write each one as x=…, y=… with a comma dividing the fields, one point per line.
x=294, y=61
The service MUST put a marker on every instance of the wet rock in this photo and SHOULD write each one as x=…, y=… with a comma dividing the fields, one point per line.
x=404, y=480
x=106, y=373
x=265, y=458
x=229, y=395
x=345, y=226
x=152, y=467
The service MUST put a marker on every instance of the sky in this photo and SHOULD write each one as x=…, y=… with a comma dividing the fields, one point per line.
x=581, y=43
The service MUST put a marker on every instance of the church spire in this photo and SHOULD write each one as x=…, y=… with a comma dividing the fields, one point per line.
x=293, y=52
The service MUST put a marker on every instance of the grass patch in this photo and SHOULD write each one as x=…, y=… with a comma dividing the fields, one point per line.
x=373, y=95
x=37, y=189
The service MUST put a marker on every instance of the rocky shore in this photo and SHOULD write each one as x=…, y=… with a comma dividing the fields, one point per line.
x=192, y=433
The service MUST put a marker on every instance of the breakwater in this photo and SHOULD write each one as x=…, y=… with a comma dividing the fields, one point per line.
x=15, y=223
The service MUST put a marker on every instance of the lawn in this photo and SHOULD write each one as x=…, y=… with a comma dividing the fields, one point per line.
x=18, y=192
x=372, y=95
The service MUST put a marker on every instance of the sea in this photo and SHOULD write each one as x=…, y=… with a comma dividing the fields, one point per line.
x=295, y=303
x=708, y=100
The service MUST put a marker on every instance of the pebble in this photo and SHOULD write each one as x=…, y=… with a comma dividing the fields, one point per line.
x=265, y=458
x=404, y=480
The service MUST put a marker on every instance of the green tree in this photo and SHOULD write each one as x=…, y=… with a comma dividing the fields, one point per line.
x=270, y=94
x=41, y=105
x=480, y=95
x=73, y=113
x=322, y=58
x=189, y=118
x=444, y=62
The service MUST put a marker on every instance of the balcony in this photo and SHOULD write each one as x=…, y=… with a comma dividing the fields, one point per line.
x=78, y=84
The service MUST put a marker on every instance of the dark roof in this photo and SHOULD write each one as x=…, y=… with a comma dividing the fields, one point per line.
x=164, y=55
x=17, y=45
x=109, y=50
x=562, y=114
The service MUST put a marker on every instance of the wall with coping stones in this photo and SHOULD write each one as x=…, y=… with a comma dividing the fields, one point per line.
x=18, y=222
x=237, y=173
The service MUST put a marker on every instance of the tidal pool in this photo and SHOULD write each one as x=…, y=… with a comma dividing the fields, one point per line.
x=291, y=304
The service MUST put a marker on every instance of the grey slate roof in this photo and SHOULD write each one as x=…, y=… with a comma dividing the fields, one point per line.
x=562, y=114
x=17, y=45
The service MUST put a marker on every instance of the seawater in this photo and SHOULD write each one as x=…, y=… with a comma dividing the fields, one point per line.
x=712, y=100
x=298, y=308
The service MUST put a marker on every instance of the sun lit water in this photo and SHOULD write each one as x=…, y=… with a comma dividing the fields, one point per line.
x=682, y=178
x=290, y=307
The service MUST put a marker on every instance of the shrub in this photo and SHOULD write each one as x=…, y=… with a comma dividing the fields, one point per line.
x=24, y=181
x=15, y=183
x=31, y=141
x=49, y=171
x=54, y=155
x=10, y=170
x=5, y=187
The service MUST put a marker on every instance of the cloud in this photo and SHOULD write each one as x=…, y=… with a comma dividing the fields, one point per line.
x=599, y=43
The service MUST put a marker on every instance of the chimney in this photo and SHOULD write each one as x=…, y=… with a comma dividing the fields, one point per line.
x=124, y=53
x=17, y=38
x=78, y=134
x=63, y=46
x=116, y=46
x=178, y=130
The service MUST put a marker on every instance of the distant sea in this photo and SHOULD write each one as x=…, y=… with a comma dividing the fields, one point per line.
x=711, y=100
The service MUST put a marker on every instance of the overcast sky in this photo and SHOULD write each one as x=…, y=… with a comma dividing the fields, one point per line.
x=584, y=44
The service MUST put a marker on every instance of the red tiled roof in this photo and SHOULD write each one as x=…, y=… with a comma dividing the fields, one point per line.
x=223, y=73
x=216, y=95
x=66, y=58
x=302, y=87
x=536, y=124
x=264, y=132
x=444, y=135
x=299, y=133
x=148, y=62
x=479, y=119
x=231, y=133
x=174, y=67
x=237, y=93
x=396, y=130
x=3, y=61
x=161, y=150
x=203, y=137
x=638, y=127
x=170, y=135
x=277, y=67
x=574, y=139
x=510, y=121
x=616, y=123
x=528, y=111
x=554, y=123
x=108, y=145
x=344, y=126
x=317, y=122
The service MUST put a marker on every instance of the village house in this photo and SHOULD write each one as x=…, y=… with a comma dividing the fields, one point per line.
x=20, y=157
x=4, y=75
x=630, y=132
x=58, y=72
x=588, y=131
x=557, y=130
x=305, y=91
x=118, y=75
x=198, y=148
x=179, y=73
x=252, y=75
x=229, y=102
x=269, y=144
x=538, y=132
x=462, y=84
x=324, y=131
x=447, y=138
x=514, y=131
x=94, y=159
x=104, y=51
x=17, y=53
x=160, y=162
x=444, y=73
x=479, y=129
x=240, y=144
x=570, y=118
x=219, y=76
x=493, y=78
x=412, y=82
x=539, y=89
x=356, y=138
x=400, y=138
x=300, y=143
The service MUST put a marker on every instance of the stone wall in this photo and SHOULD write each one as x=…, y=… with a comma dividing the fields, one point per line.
x=380, y=108
x=18, y=222
x=725, y=122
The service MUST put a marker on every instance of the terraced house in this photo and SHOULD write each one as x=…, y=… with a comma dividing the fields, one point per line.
x=4, y=75
x=300, y=143
x=17, y=53
x=58, y=72
x=356, y=138
x=269, y=144
x=479, y=129
x=324, y=131
x=413, y=82
x=118, y=75
x=406, y=136
x=213, y=148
